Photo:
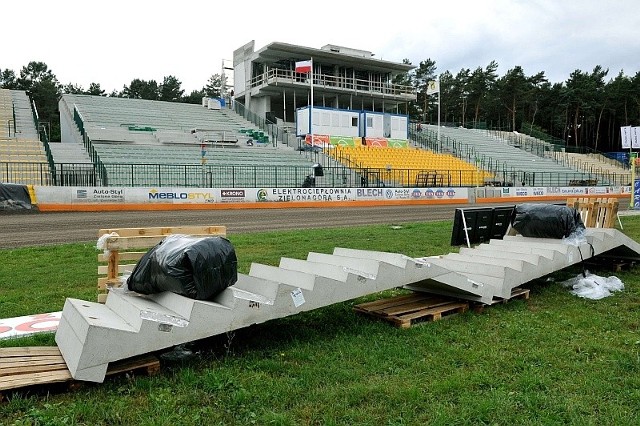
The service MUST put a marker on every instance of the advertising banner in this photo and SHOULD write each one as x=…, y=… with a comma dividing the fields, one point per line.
x=344, y=140
x=398, y=143
x=625, y=133
x=318, y=140
x=411, y=194
x=173, y=195
x=30, y=324
x=303, y=194
x=376, y=142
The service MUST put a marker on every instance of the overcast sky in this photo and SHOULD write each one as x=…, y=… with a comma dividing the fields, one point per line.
x=113, y=42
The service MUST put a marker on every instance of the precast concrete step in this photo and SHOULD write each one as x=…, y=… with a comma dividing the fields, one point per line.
x=541, y=265
x=92, y=335
x=423, y=275
x=366, y=267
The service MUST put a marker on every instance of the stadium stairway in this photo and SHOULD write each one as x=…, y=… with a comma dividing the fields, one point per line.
x=91, y=335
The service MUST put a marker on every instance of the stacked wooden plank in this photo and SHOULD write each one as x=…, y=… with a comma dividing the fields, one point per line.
x=44, y=365
x=596, y=212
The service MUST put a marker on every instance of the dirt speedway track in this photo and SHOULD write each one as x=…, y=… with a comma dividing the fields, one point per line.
x=36, y=229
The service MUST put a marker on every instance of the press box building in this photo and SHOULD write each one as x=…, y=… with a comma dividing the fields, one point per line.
x=344, y=80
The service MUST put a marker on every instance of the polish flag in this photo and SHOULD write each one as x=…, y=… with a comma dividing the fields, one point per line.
x=303, y=67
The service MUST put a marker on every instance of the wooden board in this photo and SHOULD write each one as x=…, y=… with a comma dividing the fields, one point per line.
x=166, y=230
x=516, y=293
x=41, y=365
x=405, y=311
x=596, y=212
x=127, y=255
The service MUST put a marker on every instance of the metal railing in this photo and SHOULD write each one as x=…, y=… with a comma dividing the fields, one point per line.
x=44, y=138
x=101, y=172
x=427, y=138
x=335, y=174
x=26, y=173
x=277, y=134
x=340, y=83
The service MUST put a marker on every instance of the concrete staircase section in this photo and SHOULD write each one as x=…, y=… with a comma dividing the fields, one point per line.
x=91, y=335
x=515, y=260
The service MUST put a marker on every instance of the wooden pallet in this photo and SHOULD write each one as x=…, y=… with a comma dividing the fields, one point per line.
x=516, y=293
x=405, y=311
x=43, y=365
x=609, y=263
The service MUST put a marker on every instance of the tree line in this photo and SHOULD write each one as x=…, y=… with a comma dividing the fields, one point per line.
x=585, y=111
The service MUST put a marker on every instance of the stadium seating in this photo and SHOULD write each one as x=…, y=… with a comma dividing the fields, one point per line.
x=144, y=121
x=22, y=155
x=411, y=166
x=508, y=161
x=598, y=164
x=163, y=143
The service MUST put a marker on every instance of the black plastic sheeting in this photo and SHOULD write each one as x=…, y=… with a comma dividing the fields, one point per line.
x=196, y=267
x=546, y=220
x=14, y=197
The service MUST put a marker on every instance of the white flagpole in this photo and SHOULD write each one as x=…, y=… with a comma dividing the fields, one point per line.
x=439, y=95
x=311, y=106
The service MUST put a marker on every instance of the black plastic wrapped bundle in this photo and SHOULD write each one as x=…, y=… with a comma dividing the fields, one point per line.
x=196, y=267
x=546, y=220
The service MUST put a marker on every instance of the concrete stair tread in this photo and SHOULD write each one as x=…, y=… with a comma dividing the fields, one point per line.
x=479, y=251
x=395, y=259
x=516, y=264
x=365, y=266
x=147, y=308
x=472, y=267
x=99, y=315
x=333, y=272
x=283, y=276
x=258, y=286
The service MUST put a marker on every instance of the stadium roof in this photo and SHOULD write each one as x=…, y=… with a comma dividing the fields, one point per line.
x=277, y=51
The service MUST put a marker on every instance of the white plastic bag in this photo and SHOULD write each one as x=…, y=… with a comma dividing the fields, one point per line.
x=593, y=286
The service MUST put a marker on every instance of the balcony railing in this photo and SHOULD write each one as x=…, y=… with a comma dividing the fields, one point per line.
x=347, y=84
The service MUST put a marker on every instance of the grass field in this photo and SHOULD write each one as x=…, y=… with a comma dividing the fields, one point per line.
x=553, y=359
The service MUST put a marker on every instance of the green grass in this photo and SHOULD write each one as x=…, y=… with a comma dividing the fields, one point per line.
x=554, y=359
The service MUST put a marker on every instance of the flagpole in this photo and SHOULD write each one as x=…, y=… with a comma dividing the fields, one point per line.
x=439, y=94
x=632, y=164
x=632, y=160
x=311, y=106
x=625, y=137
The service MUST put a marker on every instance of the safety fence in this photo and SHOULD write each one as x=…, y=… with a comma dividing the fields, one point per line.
x=275, y=176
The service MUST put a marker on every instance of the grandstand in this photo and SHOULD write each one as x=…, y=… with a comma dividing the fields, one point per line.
x=134, y=142
x=23, y=158
x=509, y=164
x=107, y=119
x=609, y=169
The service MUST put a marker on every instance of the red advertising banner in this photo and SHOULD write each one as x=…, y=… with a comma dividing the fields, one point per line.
x=30, y=324
x=318, y=140
x=376, y=142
